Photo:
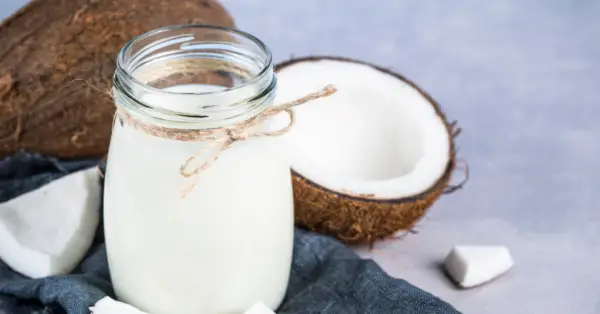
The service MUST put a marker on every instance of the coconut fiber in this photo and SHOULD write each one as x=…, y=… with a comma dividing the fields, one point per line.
x=49, y=50
x=326, y=277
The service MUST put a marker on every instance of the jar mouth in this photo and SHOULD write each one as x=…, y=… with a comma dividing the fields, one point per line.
x=152, y=67
x=121, y=60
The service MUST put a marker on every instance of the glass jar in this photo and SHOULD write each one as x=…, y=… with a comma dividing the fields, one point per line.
x=197, y=219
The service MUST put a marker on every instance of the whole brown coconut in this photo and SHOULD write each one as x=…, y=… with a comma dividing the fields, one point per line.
x=47, y=50
x=353, y=215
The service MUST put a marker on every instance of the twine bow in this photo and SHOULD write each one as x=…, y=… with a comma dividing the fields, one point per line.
x=224, y=137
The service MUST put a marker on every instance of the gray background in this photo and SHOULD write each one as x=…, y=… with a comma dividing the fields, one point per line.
x=523, y=79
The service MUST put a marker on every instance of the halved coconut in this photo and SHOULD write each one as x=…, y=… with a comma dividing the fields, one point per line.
x=369, y=160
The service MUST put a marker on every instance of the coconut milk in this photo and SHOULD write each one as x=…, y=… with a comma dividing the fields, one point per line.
x=222, y=248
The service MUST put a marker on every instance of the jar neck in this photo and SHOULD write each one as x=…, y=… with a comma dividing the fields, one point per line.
x=194, y=77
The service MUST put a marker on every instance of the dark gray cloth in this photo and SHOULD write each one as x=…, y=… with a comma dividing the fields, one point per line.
x=326, y=276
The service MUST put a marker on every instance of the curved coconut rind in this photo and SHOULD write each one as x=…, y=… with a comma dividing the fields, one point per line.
x=360, y=219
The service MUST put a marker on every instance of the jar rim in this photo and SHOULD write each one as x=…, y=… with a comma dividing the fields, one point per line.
x=230, y=103
x=122, y=72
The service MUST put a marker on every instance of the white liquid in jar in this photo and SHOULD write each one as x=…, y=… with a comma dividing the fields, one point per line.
x=224, y=247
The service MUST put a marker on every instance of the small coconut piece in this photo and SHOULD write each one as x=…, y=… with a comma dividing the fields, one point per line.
x=108, y=305
x=368, y=161
x=47, y=231
x=259, y=308
x=471, y=266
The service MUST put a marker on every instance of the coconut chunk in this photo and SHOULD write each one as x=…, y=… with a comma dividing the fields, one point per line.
x=471, y=266
x=259, y=308
x=107, y=305
x=370, y=159
x=47, y=231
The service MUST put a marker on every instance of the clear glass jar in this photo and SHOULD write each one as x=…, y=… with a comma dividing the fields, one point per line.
x=227, y=243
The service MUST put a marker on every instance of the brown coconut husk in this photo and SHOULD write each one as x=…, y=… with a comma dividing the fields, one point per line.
x=364, y=219
x=51, y=48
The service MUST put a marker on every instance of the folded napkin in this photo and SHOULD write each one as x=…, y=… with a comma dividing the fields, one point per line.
x=326, y=277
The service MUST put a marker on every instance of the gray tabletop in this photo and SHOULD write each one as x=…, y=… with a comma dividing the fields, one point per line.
x=523, y=79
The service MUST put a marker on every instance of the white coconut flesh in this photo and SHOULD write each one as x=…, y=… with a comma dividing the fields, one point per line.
x=377, y=136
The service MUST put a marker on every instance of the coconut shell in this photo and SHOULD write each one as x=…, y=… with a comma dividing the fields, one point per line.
x=50, y=47
x=364, y=219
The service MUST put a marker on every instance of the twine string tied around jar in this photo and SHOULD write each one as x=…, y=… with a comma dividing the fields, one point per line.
x=224, y=137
